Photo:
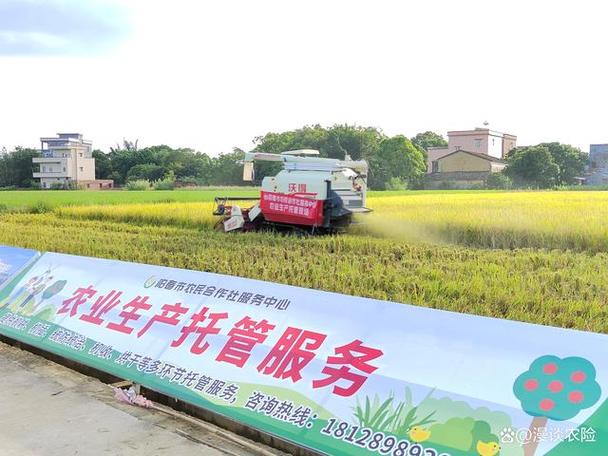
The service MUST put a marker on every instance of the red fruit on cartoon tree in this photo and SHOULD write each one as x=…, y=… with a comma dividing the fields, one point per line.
x=556, y=389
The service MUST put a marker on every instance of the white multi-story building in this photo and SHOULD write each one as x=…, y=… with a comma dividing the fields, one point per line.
x=67, y=160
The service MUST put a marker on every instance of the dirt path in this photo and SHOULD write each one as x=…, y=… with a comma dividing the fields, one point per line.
x=47, y=409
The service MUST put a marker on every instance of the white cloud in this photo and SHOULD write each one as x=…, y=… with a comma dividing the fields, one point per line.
x=60, y=27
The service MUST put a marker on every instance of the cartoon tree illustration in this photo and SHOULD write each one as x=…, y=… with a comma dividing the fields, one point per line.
x=556, y=389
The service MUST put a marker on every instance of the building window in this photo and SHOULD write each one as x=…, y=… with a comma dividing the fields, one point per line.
x=80, y=154
x=64, y=169
x=434, y=166
x=477, y=143
x=81, y=168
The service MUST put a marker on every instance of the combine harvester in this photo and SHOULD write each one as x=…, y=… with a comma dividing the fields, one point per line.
x=309, y=195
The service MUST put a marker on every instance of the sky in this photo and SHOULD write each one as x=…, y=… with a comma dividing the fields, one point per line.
x=213, y=75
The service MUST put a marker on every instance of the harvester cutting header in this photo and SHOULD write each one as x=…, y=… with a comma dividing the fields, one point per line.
x=310, y=194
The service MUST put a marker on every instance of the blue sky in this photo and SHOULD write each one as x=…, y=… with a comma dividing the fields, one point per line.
x=215, y=74
x=61, y=27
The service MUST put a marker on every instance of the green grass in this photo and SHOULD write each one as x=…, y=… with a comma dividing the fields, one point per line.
x=21, y=199
x=391, y=415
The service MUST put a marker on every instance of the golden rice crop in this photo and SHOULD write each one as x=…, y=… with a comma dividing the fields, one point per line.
x=385, y=259
x=565, y=220
x=195, y=215
x=549, y=287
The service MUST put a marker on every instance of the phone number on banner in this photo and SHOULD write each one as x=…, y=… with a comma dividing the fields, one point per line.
x=375, y=441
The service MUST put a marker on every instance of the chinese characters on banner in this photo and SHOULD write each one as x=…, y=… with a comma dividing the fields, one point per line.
x=345, y=372
x=309, y=366
x=297, y=207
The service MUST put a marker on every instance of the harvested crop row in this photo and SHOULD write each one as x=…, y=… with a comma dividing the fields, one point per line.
x=552, y=220
x=554, y=288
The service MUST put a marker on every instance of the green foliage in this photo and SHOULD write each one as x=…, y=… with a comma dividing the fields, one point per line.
x=446, y=407
x=164, y=184
x=429, y=139
x=117, y=178
x=395, y=183
x=389, y=158
x=455, y=433
x=546, y=388
x=126, y=145
x=572, y=446
x=471, y=424
x=499, y=181
x=152, y=163
x=227, y=169
x=67, y=185
x=333, y=142
x=57, y=186
x=569, y=160
x=360, y=143
x=532, y=167
x=40, y=207
x=545, y=165
x=146, y=171
x=167, y=183
x=138, y=185
x=390, y=415
x=190, y=181
x=16, y=167
x=54, y=289
x=462, y=433
x=481, y=432
x=103, y=165
x=397, y=158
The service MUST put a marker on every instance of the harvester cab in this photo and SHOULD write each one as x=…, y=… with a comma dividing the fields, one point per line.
x=310, y=194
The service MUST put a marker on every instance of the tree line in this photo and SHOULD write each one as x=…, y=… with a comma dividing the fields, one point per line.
x=545, y=165
x=395, y=162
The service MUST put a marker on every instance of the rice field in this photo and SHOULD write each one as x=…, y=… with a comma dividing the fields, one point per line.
x=550, y=220
x=540, y=257
x=572, y=220
x=186, y=215
x=23, y=200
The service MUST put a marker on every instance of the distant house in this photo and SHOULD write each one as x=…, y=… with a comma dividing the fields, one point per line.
x=463, y=169
x=67, y=160
x=480, y=140
x=597, y=172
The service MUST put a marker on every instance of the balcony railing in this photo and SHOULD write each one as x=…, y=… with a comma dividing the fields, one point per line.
x=52, y=154
x=39, y=174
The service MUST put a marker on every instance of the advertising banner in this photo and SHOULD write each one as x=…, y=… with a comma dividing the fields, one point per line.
x=12, y=261
x=339, y=374
x=279, y=207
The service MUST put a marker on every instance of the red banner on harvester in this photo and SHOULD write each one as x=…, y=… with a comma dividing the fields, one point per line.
x=284, y=208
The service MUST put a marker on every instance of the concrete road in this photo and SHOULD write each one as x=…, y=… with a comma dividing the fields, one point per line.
x=47, y=409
